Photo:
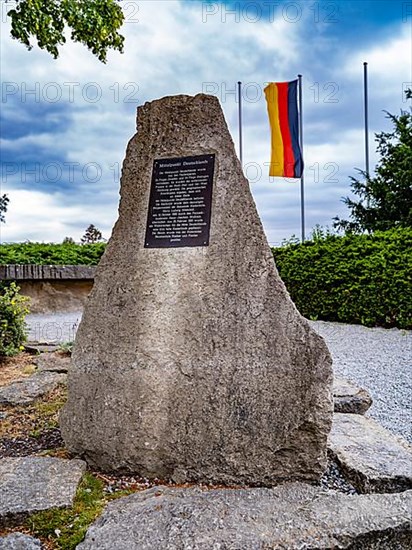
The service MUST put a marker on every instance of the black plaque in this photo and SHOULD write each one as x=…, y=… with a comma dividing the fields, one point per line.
x=180, y=202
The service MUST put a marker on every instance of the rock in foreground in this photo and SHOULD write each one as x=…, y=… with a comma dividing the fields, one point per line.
x=32, y=484
x=24, y=392
x=290, y=516
x=192, y=363
x=53, y=362
x=19, y=541
x=372, y=458
x=349, y=398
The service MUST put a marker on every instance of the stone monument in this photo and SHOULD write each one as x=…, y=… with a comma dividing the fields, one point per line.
x=191, y=362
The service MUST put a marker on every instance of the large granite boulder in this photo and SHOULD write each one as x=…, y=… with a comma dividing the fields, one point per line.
x=192, y=363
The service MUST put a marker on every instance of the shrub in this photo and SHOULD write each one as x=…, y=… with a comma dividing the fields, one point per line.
x=66, y=348
x=51, y=254
x=13, y=309
x=363, y=279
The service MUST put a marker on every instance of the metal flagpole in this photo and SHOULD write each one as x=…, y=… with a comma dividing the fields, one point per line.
x=239, y=87
x=302, y=178
x=365, y=89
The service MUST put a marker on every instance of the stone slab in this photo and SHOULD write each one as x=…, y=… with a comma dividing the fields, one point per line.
x=31, y=484
x=349, y=398
x=37, y=347
x=28, y=390
x=19, y=541
x=291, y=516
x=371, y=458
x=192, y=363
x=53, y=362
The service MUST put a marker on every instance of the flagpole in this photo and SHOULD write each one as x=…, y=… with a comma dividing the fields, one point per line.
x=365, y=95
x=239, y=87
x=302, y=178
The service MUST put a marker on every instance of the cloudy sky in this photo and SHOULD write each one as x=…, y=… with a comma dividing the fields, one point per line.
x=65, y=123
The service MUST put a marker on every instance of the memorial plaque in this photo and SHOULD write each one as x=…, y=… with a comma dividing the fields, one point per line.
x=180, y=202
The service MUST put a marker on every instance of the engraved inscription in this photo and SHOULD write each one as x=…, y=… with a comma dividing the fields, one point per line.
x=180, y=202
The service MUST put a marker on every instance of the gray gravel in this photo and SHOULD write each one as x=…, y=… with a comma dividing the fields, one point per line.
x=56, y=327
x=380, y=361
x=375, y=358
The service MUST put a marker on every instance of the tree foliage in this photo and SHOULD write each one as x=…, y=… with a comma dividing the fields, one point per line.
x=92, y=235
x=94, y=23
x=4, y=201
x=386, y=199
x=68, y=241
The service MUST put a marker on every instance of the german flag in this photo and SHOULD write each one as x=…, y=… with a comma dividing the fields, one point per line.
x=286, y=159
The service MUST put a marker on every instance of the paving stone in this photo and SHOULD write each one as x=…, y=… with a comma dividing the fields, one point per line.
x=349, y=398
x=28, y=390
x=53, y=362
x=34, y=347
x=19, y=541
x=31, y=484
x=289, y=517
x=371, y=458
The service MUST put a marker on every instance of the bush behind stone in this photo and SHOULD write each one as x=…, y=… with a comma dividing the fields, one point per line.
x=13, y=310
x=361, y=279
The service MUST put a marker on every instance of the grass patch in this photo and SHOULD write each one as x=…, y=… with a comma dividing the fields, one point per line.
x=32, y=420
x=66, y=528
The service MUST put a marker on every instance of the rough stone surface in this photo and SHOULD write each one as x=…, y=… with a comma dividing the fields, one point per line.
x=372, y=459
x=19, y=541
x=193, y=363
x=31, y=484
x=348, y=398
x=53, y=362
x=28, y=390
x=291, y=516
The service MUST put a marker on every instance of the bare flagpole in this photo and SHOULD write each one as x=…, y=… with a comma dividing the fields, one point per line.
x=365, y=93
x=239, y=87
x=302, y=178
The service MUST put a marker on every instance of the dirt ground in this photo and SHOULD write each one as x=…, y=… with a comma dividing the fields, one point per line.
x=16, y=368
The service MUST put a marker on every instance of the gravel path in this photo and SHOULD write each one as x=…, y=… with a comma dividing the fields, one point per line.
x=377, y=359
x=380, y=361
x=56, y=327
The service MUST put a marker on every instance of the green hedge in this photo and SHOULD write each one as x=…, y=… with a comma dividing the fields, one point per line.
x=51, y=254
x=362, y=279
